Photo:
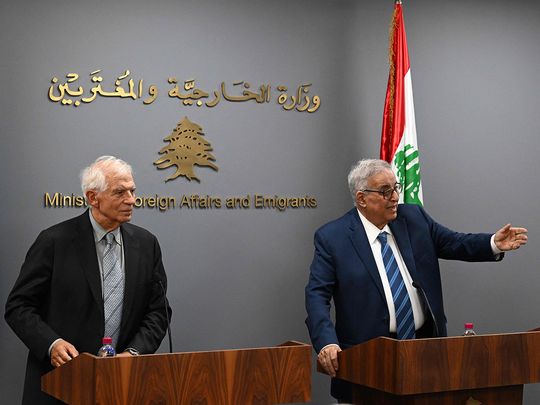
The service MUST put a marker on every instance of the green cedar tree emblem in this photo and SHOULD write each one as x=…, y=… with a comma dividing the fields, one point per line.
x=408, y=174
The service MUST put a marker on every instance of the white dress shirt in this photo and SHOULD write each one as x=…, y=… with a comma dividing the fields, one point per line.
x=372, y=232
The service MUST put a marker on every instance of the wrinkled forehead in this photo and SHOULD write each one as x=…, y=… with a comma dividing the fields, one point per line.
x=117, y=181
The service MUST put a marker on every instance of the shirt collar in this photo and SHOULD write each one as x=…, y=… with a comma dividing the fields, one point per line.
x=371, y=230
x=99, y=232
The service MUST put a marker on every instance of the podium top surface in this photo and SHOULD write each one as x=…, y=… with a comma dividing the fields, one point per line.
x=416, y=366
x=269, y=375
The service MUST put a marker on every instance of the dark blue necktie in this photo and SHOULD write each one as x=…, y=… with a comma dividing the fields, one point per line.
x=402, y=302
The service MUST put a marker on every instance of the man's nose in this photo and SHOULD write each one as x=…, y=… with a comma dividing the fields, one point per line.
x=130, y=197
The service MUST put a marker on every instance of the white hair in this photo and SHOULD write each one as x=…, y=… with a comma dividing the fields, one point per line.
x=94, y=176
x=362, y=171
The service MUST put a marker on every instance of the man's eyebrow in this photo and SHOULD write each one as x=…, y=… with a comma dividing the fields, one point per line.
x=117, y=189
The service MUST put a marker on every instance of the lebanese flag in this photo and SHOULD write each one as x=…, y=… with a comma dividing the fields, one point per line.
x=399, y=145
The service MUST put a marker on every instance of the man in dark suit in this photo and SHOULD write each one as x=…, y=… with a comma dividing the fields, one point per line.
x=352, y=265
x=61, y=303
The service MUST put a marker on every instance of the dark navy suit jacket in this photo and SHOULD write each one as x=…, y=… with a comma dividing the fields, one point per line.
x=344, y=269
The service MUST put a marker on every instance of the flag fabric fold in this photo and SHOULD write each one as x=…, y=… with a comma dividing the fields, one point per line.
x=399, y=145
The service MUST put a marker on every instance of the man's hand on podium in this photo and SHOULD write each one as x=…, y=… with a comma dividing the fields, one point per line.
x=328, y=358
x=62, y=352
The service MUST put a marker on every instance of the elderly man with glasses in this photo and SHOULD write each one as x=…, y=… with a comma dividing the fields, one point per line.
x=379, y=264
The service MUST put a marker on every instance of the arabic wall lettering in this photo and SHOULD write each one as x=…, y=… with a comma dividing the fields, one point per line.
x=70, y=93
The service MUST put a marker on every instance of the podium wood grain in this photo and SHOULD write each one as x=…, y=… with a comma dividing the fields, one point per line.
x=273, y=375
x=443, y=370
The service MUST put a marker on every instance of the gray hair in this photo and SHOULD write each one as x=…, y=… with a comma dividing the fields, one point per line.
x=362, y=171
x=94, y=176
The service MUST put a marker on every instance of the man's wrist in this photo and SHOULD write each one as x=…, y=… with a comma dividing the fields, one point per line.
x=52, y=345
x=496, y=251
x=132, y=351
x=328, y=345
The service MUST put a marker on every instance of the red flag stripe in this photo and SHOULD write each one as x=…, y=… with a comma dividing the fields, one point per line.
x=394, y=105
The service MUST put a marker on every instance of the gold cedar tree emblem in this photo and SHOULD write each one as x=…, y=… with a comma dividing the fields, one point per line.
x=186, y=148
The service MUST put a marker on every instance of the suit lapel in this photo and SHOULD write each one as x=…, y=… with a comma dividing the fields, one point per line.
x=86, y=246
x=401, y=235
x=361, y=244
x=131, y=257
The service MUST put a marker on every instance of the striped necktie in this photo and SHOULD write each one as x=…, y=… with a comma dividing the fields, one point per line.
x=113, y=289
x=402, y=302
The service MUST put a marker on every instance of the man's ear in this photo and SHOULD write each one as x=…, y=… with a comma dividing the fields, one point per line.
x=360, y=200
x=91, y=197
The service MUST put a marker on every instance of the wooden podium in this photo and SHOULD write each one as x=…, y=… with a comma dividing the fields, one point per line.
x=270, y=375
x=482, y=369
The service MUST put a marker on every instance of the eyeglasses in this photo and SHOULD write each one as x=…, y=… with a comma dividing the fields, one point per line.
x=387, y=192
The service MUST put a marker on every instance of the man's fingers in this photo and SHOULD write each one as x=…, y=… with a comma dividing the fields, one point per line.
x=327, y=365
x=330, y=370
x=328, y=359
x=504, y=229
x=57, y=361
x=334, y=360
x=71, y=351
x=519, y=230
x=66, y=356
x=62, y=357
x=521, y=236
x=62, y=352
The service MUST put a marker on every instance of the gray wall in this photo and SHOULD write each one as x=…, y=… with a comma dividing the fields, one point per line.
x=237, y=276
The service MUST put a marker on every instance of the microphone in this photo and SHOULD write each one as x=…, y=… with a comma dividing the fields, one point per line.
x=166, y=313
x=424, y=297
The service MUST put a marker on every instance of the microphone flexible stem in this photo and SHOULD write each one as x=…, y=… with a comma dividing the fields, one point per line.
x=424, y=297
x=167, y=315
